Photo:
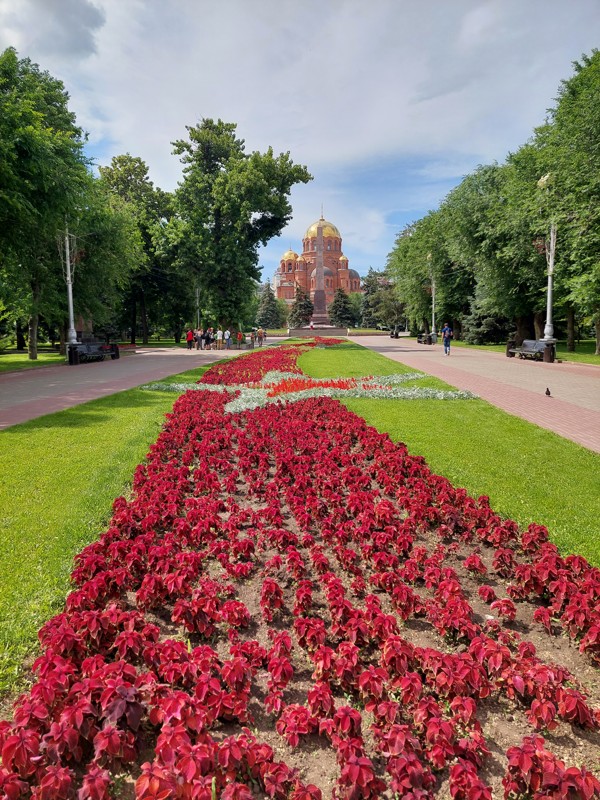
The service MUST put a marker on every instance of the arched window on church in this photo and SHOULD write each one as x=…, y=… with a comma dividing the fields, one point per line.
x=289, y=266
x=329, y=244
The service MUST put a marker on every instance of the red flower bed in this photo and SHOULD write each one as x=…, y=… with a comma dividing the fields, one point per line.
x=251, y=367
x=290, y=606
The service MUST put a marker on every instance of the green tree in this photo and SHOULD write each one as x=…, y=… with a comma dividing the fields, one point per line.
x=230, y=203
x=340, y=310
x=370, y=284
x=572, y=157
x=43, y=174
x=301, y=310
x=387, y=306
x=155, y=284
x=356, y=301
x=268, y=314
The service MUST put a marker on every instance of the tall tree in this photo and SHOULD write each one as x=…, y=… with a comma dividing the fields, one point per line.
x=230, y=203
x=573, y=156
x=153, y=283
x=370, y=285
x=340, y=310
x=43, y=174
x=268, y=315
x=301, y=310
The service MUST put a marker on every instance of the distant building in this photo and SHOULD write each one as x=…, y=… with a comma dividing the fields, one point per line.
x=299, y=270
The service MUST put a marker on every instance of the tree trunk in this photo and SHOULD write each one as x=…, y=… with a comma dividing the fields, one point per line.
x=33, y=322
x=63, y=340
x=570, y=329
x=144, y=318
x=21, y=343
x=33, y=330
x=523, y=330
x=598, y=335
x=133, y=322
x=539, y=322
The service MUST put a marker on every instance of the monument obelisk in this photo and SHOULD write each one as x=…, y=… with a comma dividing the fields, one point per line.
x=319, y=316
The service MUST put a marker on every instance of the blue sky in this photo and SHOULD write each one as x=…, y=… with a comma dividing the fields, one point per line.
x=389, y=103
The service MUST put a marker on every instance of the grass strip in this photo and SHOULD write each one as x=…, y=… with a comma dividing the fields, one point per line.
x=60, y=476
x=530, y=474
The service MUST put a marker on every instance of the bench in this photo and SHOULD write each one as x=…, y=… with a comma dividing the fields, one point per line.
x=82, y=353
x=426, y=338
x=530, y=348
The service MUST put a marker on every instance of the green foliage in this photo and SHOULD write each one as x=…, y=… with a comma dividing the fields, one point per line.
x=301, y=310
x=340, y=310
x=229, y=203
x=485, y=247
x=370, y=285
x=158, y=291
x=42, y=174
x=268, y=314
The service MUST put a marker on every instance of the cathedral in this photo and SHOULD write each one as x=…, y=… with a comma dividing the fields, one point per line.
x=322, y=242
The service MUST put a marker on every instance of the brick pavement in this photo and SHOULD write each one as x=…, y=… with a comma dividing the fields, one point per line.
x=31, y=393
x=512, y=384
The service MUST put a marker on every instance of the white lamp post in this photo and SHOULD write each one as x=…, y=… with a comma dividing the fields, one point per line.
x=545, y=182
x=433, y=331
x=72, y=335
x=550, y=249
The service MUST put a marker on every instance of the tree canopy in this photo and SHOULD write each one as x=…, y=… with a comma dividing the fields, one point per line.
x=228, y=204
x=485, y=248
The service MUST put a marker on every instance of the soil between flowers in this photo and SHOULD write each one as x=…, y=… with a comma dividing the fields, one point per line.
x=290, y=549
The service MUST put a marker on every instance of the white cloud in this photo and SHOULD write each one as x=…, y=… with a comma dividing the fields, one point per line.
x=345, y=86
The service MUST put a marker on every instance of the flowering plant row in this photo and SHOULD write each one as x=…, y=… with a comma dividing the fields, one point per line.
x=291, y=387
x=303, y=570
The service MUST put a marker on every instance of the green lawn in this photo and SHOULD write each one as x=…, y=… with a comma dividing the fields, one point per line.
x=60, y=474
x=9, y=362
x=530, y=474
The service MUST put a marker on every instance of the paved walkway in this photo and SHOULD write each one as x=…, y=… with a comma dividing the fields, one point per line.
x=31, y=393
x=515, y=385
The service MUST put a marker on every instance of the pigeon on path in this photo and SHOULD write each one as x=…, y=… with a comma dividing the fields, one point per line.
x=547, y=392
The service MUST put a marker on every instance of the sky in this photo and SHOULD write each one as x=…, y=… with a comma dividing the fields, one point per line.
x=388, y=103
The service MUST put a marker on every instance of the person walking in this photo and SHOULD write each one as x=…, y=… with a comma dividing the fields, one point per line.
x=199, y=333
x=219, y=338
x=259, y=336
x=446, y=336
x=189, y=337
x=227, y=337
x=239, y=338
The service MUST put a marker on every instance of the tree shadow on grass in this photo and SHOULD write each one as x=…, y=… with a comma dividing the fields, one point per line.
x=99, y=411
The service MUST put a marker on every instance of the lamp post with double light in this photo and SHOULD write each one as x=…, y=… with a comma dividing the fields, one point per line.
x=545, y=184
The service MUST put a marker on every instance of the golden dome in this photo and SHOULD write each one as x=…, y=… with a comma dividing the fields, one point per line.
x=343, y=258
x=329, y=229
x=289, y=255
x=301, y=259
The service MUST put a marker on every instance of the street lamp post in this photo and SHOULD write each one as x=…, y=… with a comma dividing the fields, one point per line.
x=550, y=249
x=431, y=275
x=72, y=334
x=545, y=183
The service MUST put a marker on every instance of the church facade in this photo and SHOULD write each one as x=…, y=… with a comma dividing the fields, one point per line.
x=300, y=270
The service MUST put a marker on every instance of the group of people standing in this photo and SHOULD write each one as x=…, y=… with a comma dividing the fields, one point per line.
x=208, y=339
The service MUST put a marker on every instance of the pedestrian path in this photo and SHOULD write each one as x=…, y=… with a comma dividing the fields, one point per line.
x=31, y=393
x=515, y=385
